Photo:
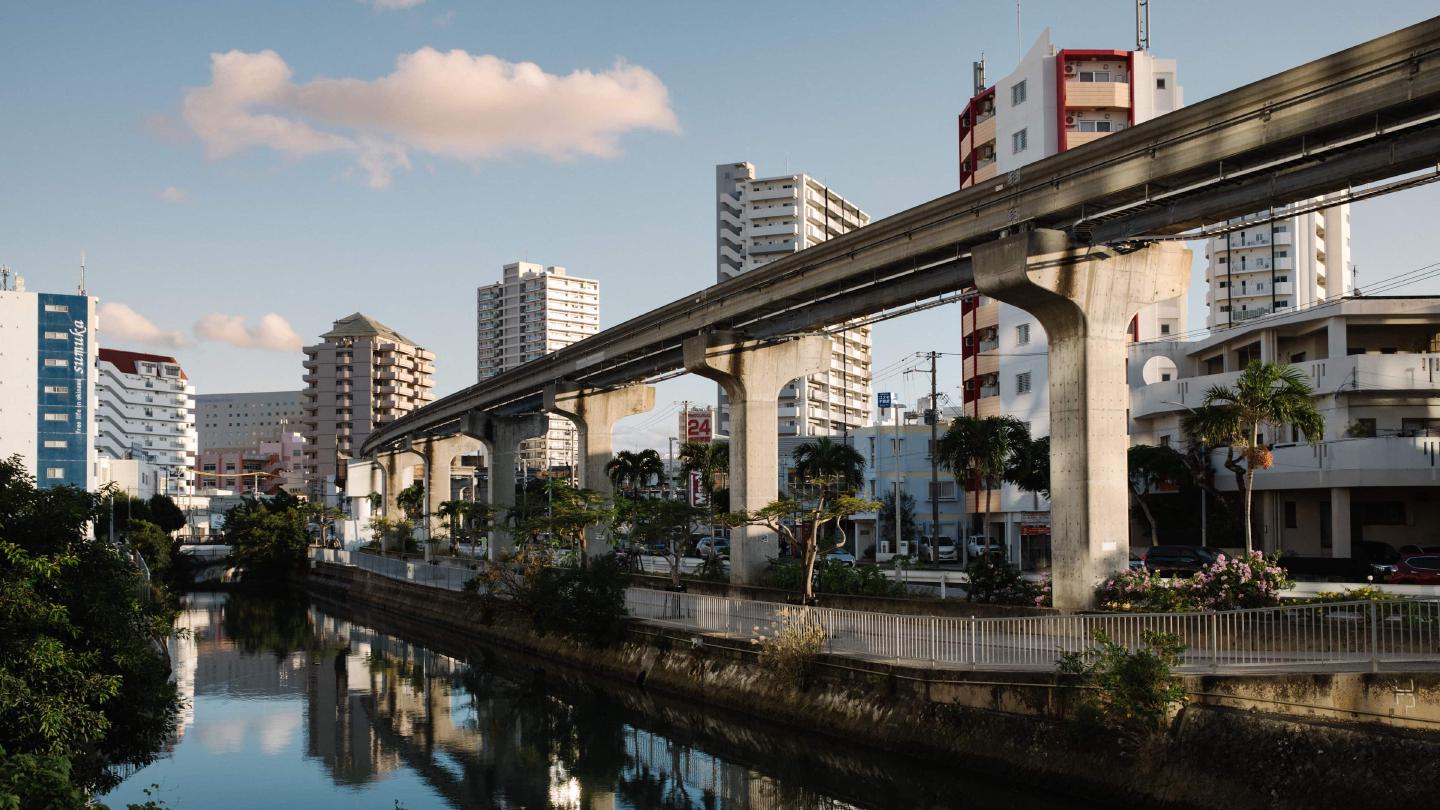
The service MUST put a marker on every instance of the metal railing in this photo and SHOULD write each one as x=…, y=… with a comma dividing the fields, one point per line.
x=1361, y=634
x=449, y=577
x=1341, y=635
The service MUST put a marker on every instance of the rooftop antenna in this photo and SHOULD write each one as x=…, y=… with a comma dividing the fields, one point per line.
x=82, y=272
x=979, y=68
x=1019, y=43
x=1142, y=25
x=4, y=277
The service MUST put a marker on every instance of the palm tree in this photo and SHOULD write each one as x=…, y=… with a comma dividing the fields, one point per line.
x=984, y=447
x=1029, y=468
x=649, y=467
x=710, y=459
x=623, y=470
x=1150, y=467
x=826, y=459
x=1265, y=394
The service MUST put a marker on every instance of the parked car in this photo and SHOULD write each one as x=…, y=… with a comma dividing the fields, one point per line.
x=940, y=549
x=980, y=546
x=1179, y=560
x=1137, y=562
x=839, y=555
x=1381, y=558
x=1420, y=569
x=1410, y=551
x=713, y=545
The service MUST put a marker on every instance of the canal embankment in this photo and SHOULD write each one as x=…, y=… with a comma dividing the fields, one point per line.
x=1256, y=740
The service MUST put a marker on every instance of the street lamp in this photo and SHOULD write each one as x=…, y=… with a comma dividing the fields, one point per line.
x=1204, y=499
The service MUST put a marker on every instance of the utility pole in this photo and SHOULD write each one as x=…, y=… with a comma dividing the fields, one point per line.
x=933, y=417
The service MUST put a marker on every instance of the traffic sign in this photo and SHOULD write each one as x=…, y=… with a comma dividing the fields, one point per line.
x=883, y=399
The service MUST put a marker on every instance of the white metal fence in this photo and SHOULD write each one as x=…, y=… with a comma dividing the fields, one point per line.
x=450, y=577
x=1338, y=635
x=1343, y=635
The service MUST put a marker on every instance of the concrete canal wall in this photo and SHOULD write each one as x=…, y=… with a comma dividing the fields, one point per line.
x=1250, y=741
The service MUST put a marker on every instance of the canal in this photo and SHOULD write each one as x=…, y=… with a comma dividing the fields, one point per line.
x=288, y=704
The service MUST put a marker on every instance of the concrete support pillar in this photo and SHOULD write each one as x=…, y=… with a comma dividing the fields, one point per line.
x=595, y=413
x=1340, y=522
x=1085, y=298
x=437, y=452
x=394, y=463
x=752, y=375
x=501, y=436
x=1337, y=342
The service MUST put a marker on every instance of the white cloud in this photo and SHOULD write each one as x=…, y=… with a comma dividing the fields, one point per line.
x=449, y=104
x=127, y=325
x=272, y=332
x=171, y=194
x=393, y=5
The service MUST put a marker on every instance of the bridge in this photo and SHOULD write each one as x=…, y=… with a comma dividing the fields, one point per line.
x=1082, y=240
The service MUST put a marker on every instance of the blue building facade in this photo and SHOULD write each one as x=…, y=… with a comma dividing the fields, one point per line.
x=63, y=413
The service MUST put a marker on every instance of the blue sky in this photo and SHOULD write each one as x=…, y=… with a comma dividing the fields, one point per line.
x=861, y=95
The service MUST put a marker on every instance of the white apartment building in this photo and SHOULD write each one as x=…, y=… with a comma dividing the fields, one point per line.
x=246, y=419
x=146, y=411
x=1375, y=366
x=761, y=219
x=1291, y=263
x=1056, y=99
x=47, y=384
x=361, y=375
x=532, y=311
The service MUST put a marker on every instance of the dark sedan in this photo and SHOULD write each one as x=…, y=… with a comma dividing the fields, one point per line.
x=1179, y=560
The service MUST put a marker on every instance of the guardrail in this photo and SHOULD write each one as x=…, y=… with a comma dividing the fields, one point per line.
x=1349, y=635
x=1342, y=635
x=449, y=577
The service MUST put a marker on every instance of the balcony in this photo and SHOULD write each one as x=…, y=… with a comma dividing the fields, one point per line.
x=772, y=194
x=1097, y=94
x=1075, y=138
x=782, y=246
x=773, y=230
x=1384, y=461
x=984, y=130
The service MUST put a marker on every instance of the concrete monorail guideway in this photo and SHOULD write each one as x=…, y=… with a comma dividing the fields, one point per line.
x=1079, y=239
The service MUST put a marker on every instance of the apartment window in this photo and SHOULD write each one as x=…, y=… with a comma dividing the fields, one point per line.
x=1022, y=383
x=57, y=417
x=56, y=389
x=1165, y=441
x=1159, y=83
x=942, y=490
x=1094, y=126
x=1224, y=260
x=54, y=472
x=1165, y=377
x=1282, y=254
x=1094, y=75
x=1282, y=303
x=55, y=362
x=1292, y=520
x=1022, y=334
x=1279, y=279
x=57, y=308
x=1017, y=93
x=1225, y=308
x=55, y=336
x=1164, y=328
x=1018, y=141
x=56, y=444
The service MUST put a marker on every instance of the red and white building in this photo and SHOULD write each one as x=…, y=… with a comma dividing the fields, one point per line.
x=1055, y=100
x=146, y=412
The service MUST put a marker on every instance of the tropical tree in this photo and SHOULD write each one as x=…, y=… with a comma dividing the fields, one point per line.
x=907, y=517
x=1029, y=467
x=662, y=524
x=830, y=460
x=803, y=522
x=564, y=515
x=1150, y=467
x=466, y=520
x=166, y=514
x=630, y=471
x=269, y=537
x=1232, y=416
x=711, y=460
x=411, y=500
x=982, y=447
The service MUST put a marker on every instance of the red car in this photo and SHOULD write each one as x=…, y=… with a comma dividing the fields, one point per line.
x=1420, y=569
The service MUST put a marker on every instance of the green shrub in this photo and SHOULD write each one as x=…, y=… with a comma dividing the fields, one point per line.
x=785, y=574
x=996, y=581
x=836, y=577
x=586, y=603
x=712, y=569
x=1230, y=583
x=1126, y=692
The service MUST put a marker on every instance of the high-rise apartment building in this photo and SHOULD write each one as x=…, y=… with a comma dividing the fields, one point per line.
x=361, y=375
x=1290, y=263
x=532, y=311
x=1054, y=100
x=246, y=419
x=146, y=411
x=760, y=219
x=47, y=383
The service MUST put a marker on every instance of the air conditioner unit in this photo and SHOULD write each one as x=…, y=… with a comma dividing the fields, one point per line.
x=1107, y=116
x=1069, y=119
x=1069, y=69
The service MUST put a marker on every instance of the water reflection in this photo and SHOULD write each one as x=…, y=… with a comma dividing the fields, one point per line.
x=289, y=705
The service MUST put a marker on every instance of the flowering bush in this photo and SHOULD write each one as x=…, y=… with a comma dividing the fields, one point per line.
x=1145, y=592
x=1045, y=593
x=1229, y=583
